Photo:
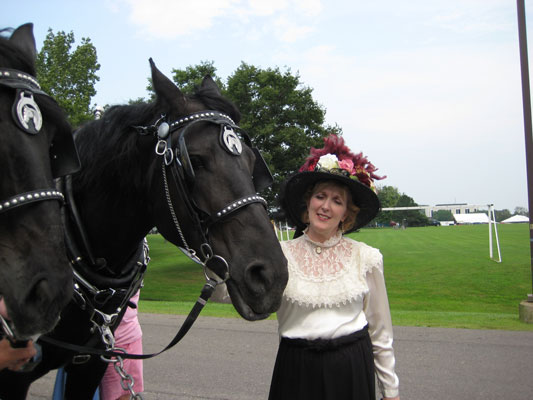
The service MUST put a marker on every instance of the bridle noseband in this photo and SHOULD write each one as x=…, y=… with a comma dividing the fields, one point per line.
x=176, y=161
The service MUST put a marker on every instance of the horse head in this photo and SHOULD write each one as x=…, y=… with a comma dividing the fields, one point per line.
x=35, y=276
x=206, y=179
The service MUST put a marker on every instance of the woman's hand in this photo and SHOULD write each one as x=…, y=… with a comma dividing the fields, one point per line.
x=15, y=358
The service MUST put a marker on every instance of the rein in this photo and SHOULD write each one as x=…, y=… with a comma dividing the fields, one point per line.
x=175, y=163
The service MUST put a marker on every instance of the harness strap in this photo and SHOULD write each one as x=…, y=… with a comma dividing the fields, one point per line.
x=77, y=222
x=206, y=293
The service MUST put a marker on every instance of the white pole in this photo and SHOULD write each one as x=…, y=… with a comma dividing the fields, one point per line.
x=490, y=230
x=497, y=239
x=275, y=229
x=281, y=230
x=492, y=217
x=287, y=230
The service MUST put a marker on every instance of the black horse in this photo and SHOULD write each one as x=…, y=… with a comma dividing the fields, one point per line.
x=182, y=165
x=35, y=146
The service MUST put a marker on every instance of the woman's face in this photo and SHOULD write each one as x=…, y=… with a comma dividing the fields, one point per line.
x=327, y=207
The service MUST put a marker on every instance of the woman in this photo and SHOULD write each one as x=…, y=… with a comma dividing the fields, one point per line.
x=334, y=321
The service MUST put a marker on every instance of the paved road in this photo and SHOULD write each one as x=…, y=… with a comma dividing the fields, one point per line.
x=231, y=359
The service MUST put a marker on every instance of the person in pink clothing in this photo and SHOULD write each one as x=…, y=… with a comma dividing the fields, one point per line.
x=128, y=336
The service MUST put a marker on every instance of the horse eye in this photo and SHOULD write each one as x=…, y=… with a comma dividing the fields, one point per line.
x=196, y=162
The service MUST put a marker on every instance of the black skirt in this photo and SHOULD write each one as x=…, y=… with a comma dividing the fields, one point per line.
x=336, y=369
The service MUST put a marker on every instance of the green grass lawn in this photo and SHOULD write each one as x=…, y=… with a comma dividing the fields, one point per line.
x=436, y=276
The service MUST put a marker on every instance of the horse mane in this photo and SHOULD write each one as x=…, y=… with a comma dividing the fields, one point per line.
x=110, y=145
x=107, y=147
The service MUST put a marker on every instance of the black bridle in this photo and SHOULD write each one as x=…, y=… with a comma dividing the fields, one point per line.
x=28, y=118
x=177, y=164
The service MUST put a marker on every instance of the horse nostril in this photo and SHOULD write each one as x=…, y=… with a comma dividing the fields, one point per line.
x=40, y=293
x=257, y=279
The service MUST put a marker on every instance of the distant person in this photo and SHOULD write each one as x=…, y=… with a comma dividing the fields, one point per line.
x=98, y=112
x=334, y=320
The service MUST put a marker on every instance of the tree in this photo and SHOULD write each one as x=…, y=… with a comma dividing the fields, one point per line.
x=388, y=197
x=521, y=211
x=501, y=215
x=443, y=215
x=69, y=76
x=192, y=76
x=278, y=112
x=280, y=115
x=391, y=197
x=409, y=217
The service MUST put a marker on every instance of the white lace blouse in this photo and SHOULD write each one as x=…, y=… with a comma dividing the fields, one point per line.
x=335, y=288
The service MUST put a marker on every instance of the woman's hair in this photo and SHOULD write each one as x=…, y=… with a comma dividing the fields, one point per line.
x=351, y=209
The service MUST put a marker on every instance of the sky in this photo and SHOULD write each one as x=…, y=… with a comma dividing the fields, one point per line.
x=430, y=91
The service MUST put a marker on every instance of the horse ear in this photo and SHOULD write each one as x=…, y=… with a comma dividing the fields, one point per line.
x=166, y=91
x=23, y=38
x=209, y=84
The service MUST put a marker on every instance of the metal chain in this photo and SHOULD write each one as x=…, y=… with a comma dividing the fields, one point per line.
x=126, y=380
x=173, y=213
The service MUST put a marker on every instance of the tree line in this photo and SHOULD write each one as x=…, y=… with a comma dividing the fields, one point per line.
x=278, y=112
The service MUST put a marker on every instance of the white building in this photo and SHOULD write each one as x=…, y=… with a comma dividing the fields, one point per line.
x=454, y=208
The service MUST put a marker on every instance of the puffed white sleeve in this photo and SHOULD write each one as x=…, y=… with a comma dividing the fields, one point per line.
x=376, y=308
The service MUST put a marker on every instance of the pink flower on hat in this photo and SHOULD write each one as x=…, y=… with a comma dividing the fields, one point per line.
x=347, y=164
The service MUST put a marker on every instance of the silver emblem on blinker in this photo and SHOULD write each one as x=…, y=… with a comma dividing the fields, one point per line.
x=231, y=141
x=28, y=113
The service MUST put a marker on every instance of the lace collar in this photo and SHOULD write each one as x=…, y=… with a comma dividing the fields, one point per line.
x=336, y=275
x=318, y=246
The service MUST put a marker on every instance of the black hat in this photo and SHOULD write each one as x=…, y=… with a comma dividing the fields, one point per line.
x=334, y=162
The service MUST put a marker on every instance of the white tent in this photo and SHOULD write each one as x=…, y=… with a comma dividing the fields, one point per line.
x=515, y=219
x=473, y=218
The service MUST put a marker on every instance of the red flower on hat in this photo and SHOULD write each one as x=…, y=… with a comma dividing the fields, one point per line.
x=356, y=165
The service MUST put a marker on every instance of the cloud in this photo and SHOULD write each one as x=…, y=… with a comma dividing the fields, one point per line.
x=169, y=19
x=445, y=91
x=173, y=18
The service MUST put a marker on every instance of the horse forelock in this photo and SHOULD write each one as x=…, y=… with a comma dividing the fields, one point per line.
x=213, y=101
